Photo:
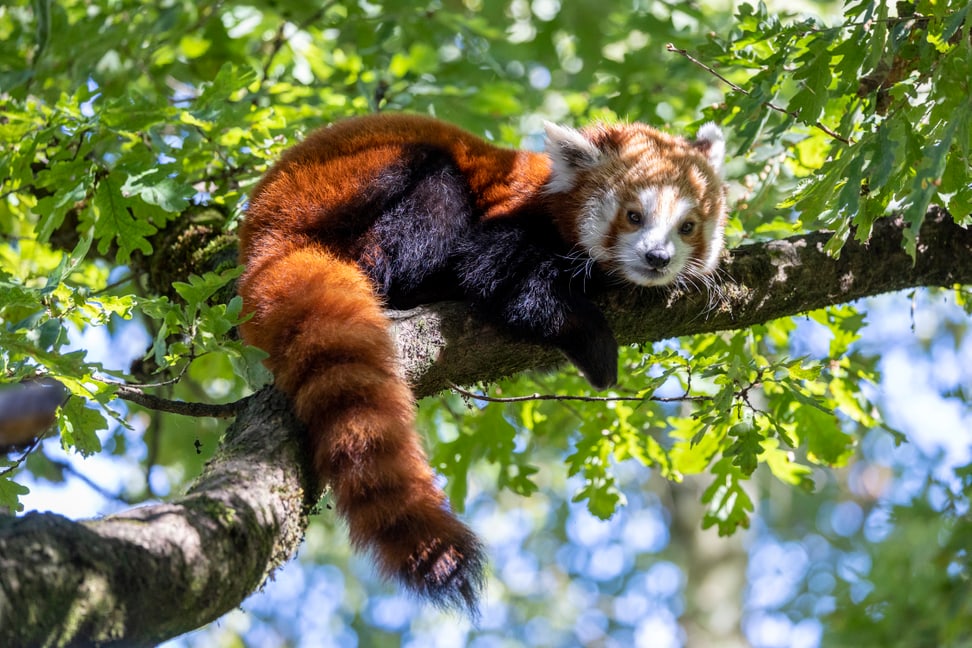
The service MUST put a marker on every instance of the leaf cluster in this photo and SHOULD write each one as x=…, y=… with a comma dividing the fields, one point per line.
x=855, y=120
x=722, y=404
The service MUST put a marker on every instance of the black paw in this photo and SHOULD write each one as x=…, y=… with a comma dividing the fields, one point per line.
x=596, y=357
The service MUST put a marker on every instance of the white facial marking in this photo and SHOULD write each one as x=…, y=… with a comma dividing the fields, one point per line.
x=594, y=225
x=655, y=253
x=714, y=235
x=569, y=152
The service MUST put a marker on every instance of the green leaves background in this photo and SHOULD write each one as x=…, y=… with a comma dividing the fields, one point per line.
x=121, y=120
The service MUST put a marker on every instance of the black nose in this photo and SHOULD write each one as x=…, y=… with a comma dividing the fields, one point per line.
x=657, y=259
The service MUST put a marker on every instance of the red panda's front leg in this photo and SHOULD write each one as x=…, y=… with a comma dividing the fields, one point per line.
x=515, y=281
x=588, y=342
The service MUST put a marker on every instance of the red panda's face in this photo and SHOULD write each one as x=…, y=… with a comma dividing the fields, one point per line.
x=651, y=237
x=646, y=206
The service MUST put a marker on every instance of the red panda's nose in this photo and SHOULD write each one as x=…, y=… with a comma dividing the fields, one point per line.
x=657, y=259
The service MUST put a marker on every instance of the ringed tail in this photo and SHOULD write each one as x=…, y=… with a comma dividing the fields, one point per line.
x=331, y=352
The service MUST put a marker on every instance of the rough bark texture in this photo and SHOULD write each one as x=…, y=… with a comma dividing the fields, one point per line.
x=157, y=571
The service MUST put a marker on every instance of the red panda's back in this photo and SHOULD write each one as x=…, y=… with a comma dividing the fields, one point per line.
x=336, y=171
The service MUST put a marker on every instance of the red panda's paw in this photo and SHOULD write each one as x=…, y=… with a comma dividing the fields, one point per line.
x=448, y=569
x=601, y=373
x=595, y=354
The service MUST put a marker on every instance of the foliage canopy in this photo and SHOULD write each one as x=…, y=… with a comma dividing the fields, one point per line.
x=131, y=132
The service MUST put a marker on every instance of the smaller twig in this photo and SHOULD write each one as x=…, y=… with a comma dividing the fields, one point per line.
x=214, y=410
x=769, y=104
x=559, y=397
x=162, y=383
x=23, y=457
x=279, y=39
x=118, y=282
x=743, y=392
x=276, y=45
x=90, y=483
x=190, y=357
x=229, y=173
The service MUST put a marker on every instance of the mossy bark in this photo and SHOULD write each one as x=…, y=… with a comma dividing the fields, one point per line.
x=154, y=572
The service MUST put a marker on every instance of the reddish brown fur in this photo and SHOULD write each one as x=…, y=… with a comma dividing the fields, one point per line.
x=290, y=197
x=340, y=372
x=316, y=312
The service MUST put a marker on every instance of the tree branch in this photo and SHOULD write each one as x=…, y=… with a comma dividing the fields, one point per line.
x=485, y=398
x=737, y=88
x=87, y=582
x=186, y=408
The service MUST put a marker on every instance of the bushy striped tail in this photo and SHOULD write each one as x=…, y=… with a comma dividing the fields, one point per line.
x=332, y=353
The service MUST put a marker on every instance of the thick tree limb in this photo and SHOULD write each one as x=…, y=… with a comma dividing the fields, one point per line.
x=155, y=572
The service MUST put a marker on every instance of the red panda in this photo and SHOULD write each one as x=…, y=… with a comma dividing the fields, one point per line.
x=396, y=210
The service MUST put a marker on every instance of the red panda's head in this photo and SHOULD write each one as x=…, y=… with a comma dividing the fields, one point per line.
x=643, y=204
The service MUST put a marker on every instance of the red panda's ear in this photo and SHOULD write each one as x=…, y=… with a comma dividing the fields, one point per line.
x=712, y=143
x=570, y=152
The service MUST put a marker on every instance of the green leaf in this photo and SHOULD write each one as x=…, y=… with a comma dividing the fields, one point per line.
x=193, y=46
x=746, y=448
x=421, y=59
x=795, y=369
x=247, y=362
x=846, y=396
x=826, y=442
x=68, y=264
x=42, y=12
x=955, y=21
x=844, y=323
x=815, y=75
x=697, y=442
x=591, y=459
x=79, y=426
x=10, y=494
x=729, y=504
x=602, y=496
x=929, y=177
x=229, y=81
x=68, y=191
x=882, y=154
x=199, y=289
x=517, y=478
x=454, y=460
x=155, y=187
x=51, y=334
x=784, y=468
x=115, y=222
x=499, y=98
x=14, y=296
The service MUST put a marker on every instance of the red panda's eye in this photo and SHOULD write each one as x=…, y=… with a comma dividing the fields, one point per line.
x=634, y=216
x=686, y=228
